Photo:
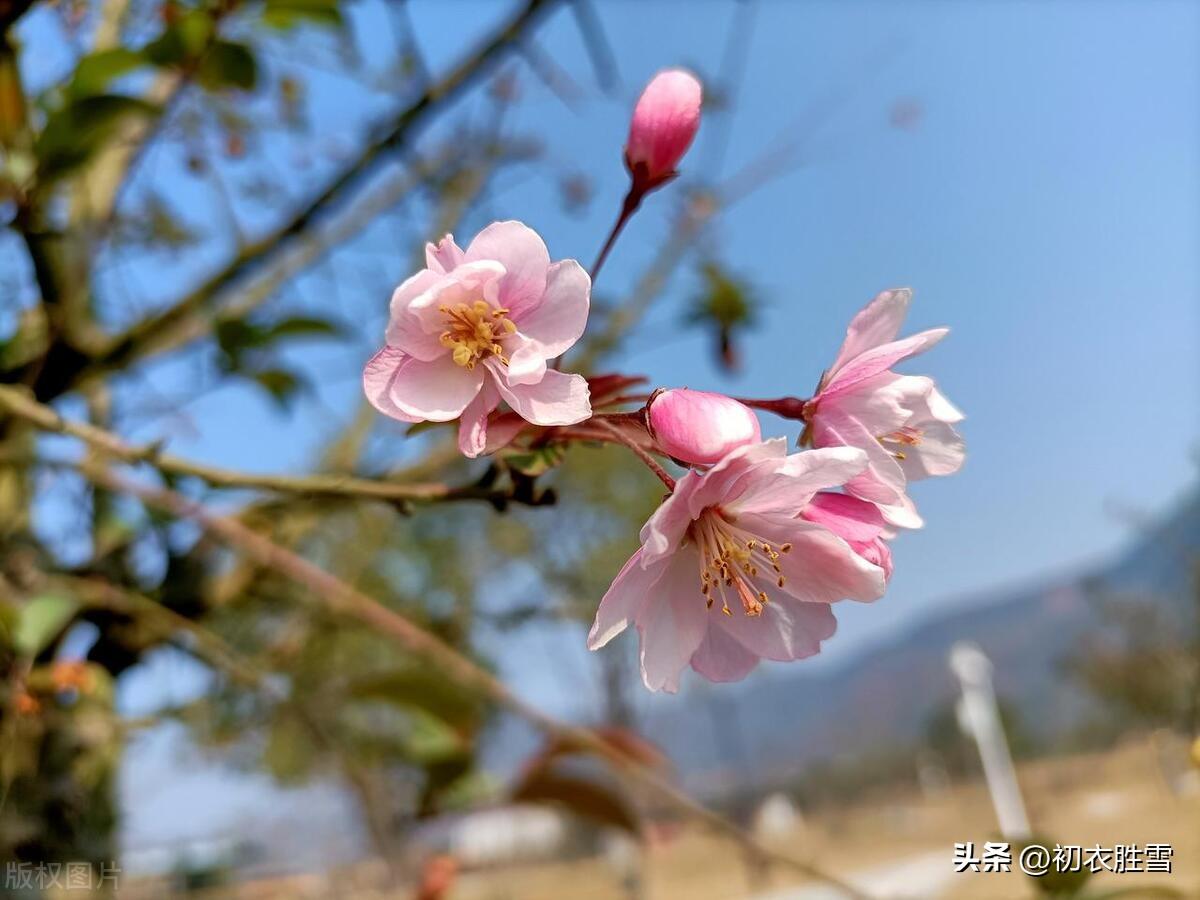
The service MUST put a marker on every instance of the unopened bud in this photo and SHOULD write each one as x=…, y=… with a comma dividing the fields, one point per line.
x=665, y=121
x=699, y=427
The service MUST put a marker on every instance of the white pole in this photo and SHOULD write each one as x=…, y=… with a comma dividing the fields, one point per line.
x=979, y=716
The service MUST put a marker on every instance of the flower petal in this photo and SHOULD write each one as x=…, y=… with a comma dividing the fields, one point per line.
x=664, y=530
x=848, y=517
x=876, y=323
x=880, y=359
x=526, y=361
x=883, y=480
x=473, y=427
x=436, y=390
x=378, y=375
x=786, y=630
x=558, y=399
x=443, y=256
x=721, y=658
x=790, y=485
x=672, y=622
x=558, y=320
x=820, y=567
x=620, y=604
x=940, y=452
x=524, y=257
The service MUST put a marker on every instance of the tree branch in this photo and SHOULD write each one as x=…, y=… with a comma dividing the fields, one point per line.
x=341, y=598
x=18, y=404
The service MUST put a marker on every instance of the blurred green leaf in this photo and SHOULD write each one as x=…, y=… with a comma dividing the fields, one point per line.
x=96, y=71
x=41, y=620
x=183, y=41
x=424, y=690
x=79, y=129
x=303, y=325
x=281, y=384
x=536, y=462
x=290, y=13
x=228, y=64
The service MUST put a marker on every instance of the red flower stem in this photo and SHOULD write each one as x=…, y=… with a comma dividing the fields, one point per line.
x=788, y=407
x=632, y=201
x=641, y=454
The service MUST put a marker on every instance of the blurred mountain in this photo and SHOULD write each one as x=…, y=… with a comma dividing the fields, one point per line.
x=775, y=726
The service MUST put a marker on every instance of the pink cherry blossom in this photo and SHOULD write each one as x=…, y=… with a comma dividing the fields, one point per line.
x=699, y=427
x=858, y=522
x=476, y=327
x=902, y=421
x=664, y=124
x=728, y=574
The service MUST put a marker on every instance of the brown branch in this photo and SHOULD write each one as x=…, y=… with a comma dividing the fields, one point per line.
x=19, y=404
x=343, y=599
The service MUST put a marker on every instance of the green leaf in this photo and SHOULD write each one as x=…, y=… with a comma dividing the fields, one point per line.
x=416, y=689
x=228, y=64
x=536, y=462
x=41, y=620
x=79, y=129
x=97, y=70
x=281, y=384
x=183, y=41
x=303, y=325
x=285, y=14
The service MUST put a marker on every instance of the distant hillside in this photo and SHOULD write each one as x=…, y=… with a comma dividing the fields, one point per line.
x=889, y=692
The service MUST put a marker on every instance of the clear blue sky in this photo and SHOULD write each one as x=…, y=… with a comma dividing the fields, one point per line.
x=1045, y=207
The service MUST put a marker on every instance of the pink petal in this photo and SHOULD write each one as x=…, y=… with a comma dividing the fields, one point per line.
x=620, y=604
x=417, y=321
x=880, y=359
x=940, y=452
x=501, y=430
x=405, y=326
x=901, y=514
x=524, y=257
x=473, y=427
x=877, y=323
x=437, y=391
x=443, y=256
x=786, y=630
x=378, y=375
x=526, y=360
x=721, y=658
x=820, y=567
x=786, y=486
x=671, y=622
x=665, y=529
x=725, y=480
x=558, y=399
x=848, y=517
x=883, y=480
x=558, y=320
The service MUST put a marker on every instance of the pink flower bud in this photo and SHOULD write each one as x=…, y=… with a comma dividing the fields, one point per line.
x=698, y=427
x=664, y=123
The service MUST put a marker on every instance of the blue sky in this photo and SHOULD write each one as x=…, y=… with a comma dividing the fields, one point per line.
x=1044, y=207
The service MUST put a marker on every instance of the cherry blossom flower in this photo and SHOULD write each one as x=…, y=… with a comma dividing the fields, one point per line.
x=903, y=422
x=858, y=522
x=728, y=574
x=664, y=123
x=699, y=427
x=477, y=327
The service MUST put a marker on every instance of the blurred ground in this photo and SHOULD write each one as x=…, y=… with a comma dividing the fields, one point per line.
x=895, y=844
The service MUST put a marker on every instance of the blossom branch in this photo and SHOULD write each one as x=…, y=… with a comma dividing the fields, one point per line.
x=620, y=437
x=341, y=598
x=17, y=403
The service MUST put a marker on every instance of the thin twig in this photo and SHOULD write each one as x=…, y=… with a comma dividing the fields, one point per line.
x=620, y=436
x=18, y=403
